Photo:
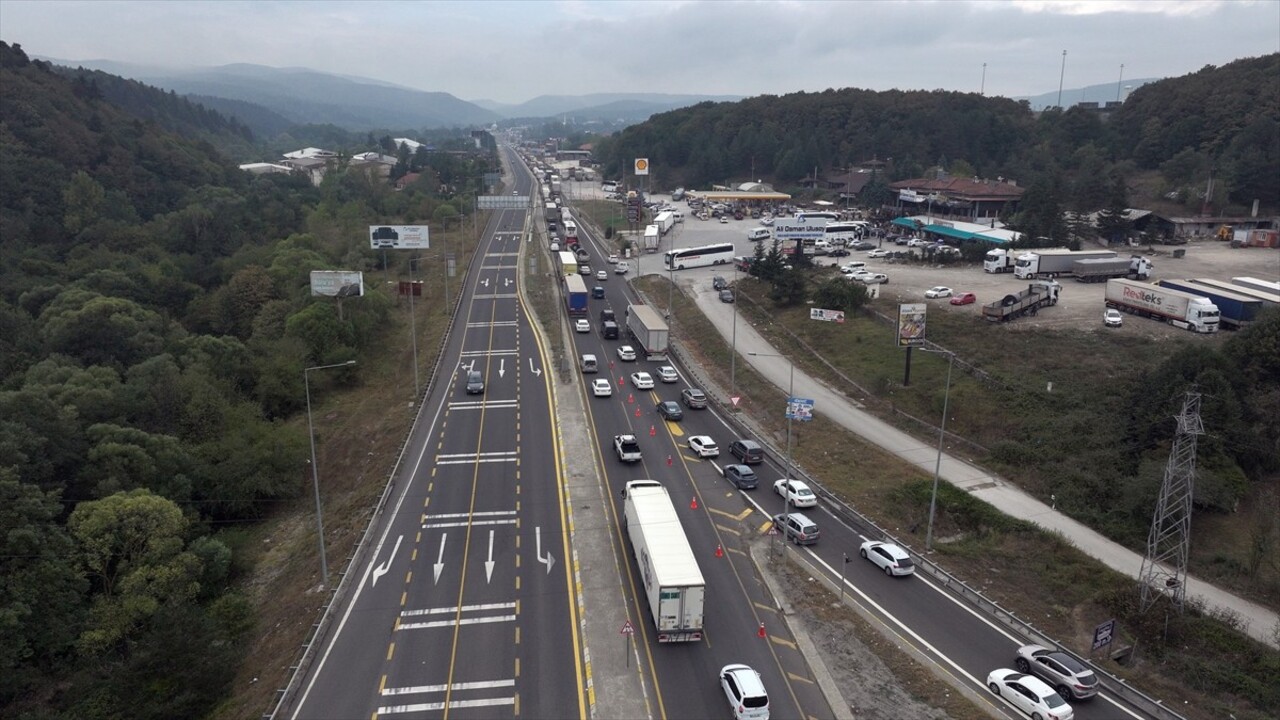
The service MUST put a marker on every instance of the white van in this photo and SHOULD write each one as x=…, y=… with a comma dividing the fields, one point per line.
x=589, y=364
x=821, y=247
x=758, y=234
x=677, y=215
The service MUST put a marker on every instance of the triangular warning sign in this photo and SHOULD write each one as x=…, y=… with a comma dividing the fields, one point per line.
x=734, y=399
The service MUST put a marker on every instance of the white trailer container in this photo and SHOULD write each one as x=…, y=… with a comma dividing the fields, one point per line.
x=1180, y=309
x=664, y=221
x=1052, y=263
x=649, y=330
x=673, y=583
x=651, y=238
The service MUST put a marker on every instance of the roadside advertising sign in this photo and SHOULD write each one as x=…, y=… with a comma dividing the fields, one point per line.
x=642, y=166
x=337, y=283
x=911, y=324
x=399, y=237
x=826, y=315
x=799, y=409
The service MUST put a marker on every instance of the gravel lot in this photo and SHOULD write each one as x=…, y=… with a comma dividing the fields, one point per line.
x=1080, y=305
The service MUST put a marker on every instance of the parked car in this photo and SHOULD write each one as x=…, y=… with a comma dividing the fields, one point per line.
x=1112, y=318
x=719, y=283
x=724, y=219
x=601, y=387
x=1070, y=677
x=878, y=253
x=693, y=398
x=642, y=380
x=939, y=291
x=795, y=492
x=670, y=410
x=837, y=252
x=626, y=353
x=888, y=557
x=745, y=692
x=870, y=278
x=742, y=476
x=726, y=296
x=667, y=374
x=1029, y=695
x=964, y=298
x=917, y=242
x=703, y=446
x=582, y=325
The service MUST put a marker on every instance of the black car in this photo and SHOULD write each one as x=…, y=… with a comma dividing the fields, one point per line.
x=719, y=283
x=741, y=476
x=838, y=252
x=726, y=296
x=670, y=410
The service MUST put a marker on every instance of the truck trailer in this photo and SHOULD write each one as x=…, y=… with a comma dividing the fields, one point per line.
x=568, y=263
x=1040, y=293
x=1185, y=310
x=649, y=330
x=673, y=583
x=575, y=295
x=1002, y=260
x=1090, y=270
x=552, y=211
x=1052, y=263
x=1236, y=309
x=651, y=234
x=665, y=220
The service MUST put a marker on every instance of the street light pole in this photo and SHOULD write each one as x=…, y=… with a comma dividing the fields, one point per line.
x=315, y=473
x=733, y=351
x=942, y=435
x=413, y=328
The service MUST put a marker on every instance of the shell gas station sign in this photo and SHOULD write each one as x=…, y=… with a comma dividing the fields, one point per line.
x=642, y=166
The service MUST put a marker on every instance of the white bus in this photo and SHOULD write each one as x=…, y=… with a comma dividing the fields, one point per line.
x=817, y=215
x=570, y=232
x=718, y=254
x=842, y=232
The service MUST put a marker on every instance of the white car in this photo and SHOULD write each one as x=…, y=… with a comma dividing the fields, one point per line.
x=613, y=259
x=852, y=268
x=1029, y=694
x=601, y=387
x=878, y=253
x=796, y=493
x=582, y=325
x=745, y=692
x=1112, y=318
x=766, y=221
x=940, y=291
x=890, y=558
x=601, y=275
x=917, y=242
x=871, y=278
x=667, y=374
x=724, y=219
x=642, y=380
x=704, y=446
x=626, y=353
x=622, y=268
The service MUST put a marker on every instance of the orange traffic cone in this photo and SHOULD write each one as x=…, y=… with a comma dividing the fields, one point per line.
x=668, y=461
x=760, y=632
x=631, y=398
x=719, y=551
x=637, y=412
x=652, y=431
x=694, y=505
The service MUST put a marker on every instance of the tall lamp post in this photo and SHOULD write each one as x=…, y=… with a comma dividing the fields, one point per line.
x=315, y=473
x=733, y=350
x=942, y=435
x=791, y=381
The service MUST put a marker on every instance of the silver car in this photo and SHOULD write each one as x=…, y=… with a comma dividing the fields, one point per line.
x=1061, y=671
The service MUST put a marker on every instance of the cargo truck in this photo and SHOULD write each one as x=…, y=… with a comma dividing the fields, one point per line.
x=1040, y=293
x=673, y=583
x=555, y=187
x=1266, y=286
x=568, y=263
x=552, y=211
x=1235, y=309
x=1134, y=267
x=1052, y=263
x=1185, y=310
x=575, y=295
x=651, y=238
x=649, y=330
x=665, y=220
x=1002, y=260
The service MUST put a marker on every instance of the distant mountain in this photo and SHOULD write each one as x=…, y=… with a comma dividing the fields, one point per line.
x=306, y=96
x=1092, y=93
x=555, y=105
x=499, y=107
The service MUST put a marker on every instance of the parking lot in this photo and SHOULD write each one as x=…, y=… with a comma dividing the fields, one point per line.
x=1080, y=305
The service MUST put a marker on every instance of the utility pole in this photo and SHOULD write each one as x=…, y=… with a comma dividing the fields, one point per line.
x=1061, y=77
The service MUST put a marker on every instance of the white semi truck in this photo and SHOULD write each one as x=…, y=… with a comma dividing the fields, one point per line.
x=1052, y=263
x=1180, y=309
x=672, y=581
x=649, y=330
x=651, y=235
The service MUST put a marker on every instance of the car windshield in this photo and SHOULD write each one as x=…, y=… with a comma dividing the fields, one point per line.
x=803, y=492
x=1054, y=700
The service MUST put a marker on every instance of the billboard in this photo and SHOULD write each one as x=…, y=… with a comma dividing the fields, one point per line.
x=337, y=283
x=826, y=315
x=799, y=409
x=793, y=229
x=911, y=324
x=399, y=237
x=642, y=166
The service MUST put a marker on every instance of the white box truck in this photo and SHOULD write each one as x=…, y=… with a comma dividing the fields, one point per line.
x=651, y=234
x=1052, y=263
x=1180, y=309
x=672, y=581
x=647, y=328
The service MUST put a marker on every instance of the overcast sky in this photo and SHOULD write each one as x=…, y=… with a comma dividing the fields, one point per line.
x=515, y=51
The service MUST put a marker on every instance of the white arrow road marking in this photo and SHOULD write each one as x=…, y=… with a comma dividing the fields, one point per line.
x=549, y=560
x=485, y=282
x=502, y=367
x=380, y=570
x=507, y=282
x=440, y=558
x=488, y=565
x=533, y=369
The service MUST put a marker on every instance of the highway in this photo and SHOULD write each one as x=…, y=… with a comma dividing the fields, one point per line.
x=466, y=608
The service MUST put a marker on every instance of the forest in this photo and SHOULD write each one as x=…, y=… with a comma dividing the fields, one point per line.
x=1220, y=122
x=155, y=322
